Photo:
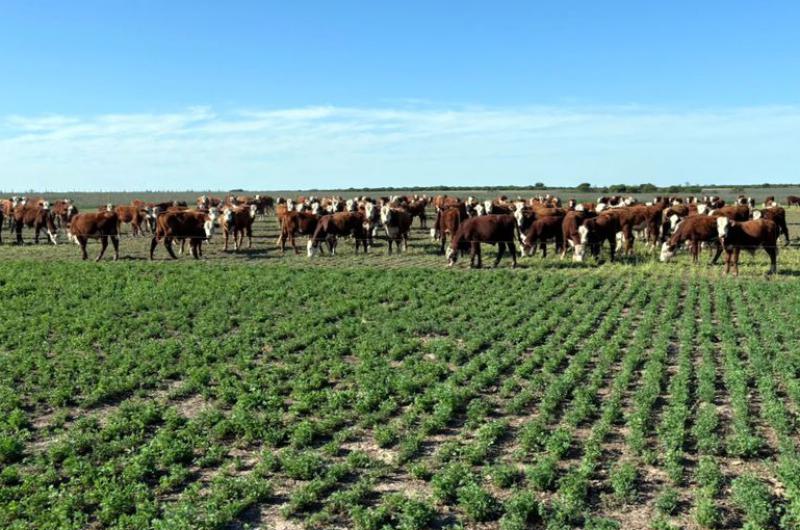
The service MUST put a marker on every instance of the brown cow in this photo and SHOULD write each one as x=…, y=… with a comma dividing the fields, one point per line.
x=396, y=222
x=63, y=211
x=105, y=224
x=778, y=216
x=330, y=227
x=239, y=222
x=793, y=200
x=295, y=223
x=133, y=215
x=739, y=212
x=694, y=229
x=571, y=236
x=594, y=231
x=416, y=209
x=541, y=230
x=748, y=235
x=499, y=229
x=37, y=216
x=447, y=222
x=183, y=224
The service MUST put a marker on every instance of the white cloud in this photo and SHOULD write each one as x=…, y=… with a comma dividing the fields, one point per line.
x=330, y=146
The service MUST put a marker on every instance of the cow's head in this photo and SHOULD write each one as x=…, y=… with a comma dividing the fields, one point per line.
x=757, y=214
x=519, y=216
x=667, y=252
x=487, y=205
x=253, y=211
x=208, y=224
x=316, y=208
x=600, y=207
x=312, y=248
x=480, y=209
x=386, y=214
x=702, y=208
x=579, y=207
x=45, y=205
x=289, y=204
x=227, y=217
x=674, y=221
x=723, y=227
x=109, y=207
x=580, y=248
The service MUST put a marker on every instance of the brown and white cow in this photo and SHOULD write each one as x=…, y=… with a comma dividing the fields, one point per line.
x=447, y=222
x=778, y=216
x=571, y=235
x=102, y=225
x=694, y=230
x=295, y=223
x=492, y=229
x=63, y=211
x=793, y=200
x=36, y=215
x=397, y=223
x=341, y=224
x=136, y=217
x=594, y=231
x=748, y=235
x=238, y=221
x=541, y=231
x=195, y=226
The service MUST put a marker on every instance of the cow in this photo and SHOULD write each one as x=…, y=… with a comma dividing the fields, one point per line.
x=37, y=216
x=330, y=227
x=739, y=212
x=416, y=209
x=135, y=216
x=777, y=215
x=793, y=200
x=396, y=222
x=748, y=235
x=103, y=225
x=542, y=230
x=447, y=222
x=493, y=229
x=694, y=229
x=295, y=223
x=238, y=220
x=63, y=211
x=195, y=226
x=594, y=231
x=570, y=225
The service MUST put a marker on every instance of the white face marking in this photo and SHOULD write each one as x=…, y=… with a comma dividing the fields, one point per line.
x=109, y=207
x=45, y=205
x=385, y=211
x=579, y=208
x=253, y=209
x=701, y=209
x=580, y=252
x=600, y=207
x=311, y=249
x=757, y=214
x=208, y=226
x=519, y=217
x=722, y=226
x=666, y=255
x=674, y=220
x=584, y=233
x=487, y=206
x=479, y=209
x=449, y=252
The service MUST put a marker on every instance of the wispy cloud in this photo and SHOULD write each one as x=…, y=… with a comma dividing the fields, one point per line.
x=405, y=144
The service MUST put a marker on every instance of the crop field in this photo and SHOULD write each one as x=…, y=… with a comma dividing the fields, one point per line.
x=254, y=390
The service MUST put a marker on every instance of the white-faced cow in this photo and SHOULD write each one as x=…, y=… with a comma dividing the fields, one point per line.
x=396, y=222
x=748, y=235
x=183, y=224
x=492, y=229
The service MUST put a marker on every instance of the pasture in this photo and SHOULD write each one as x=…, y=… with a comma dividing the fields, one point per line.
x=250, y=389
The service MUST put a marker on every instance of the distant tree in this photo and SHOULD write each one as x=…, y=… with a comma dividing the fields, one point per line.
x=539, y=185
x=675, y=189
x=648, y=188
x=584, y=186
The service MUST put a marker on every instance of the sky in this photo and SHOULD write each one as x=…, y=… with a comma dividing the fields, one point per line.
x=134, y=95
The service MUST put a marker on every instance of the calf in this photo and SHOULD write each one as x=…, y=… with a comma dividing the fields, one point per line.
x=103, y=225
x=748, y=235
x=447, y=222
x=570, y=225
x=37, y=216
x=133, y=215
x=541, y=230
x=330, y=227
x=396, y=222
x=778, y=216
x=695, y=229
x=492, y=229
x=416, y=209
x=238, y=220
x=594, y=231
x=183, y=224
x=295, y=223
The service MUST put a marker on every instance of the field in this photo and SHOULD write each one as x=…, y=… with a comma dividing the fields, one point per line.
x=257, y=390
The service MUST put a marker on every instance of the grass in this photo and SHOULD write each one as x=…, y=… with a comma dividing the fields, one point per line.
x=371, y=391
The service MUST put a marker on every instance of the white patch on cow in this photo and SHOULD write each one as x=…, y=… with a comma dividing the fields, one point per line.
x=757, y=214
x=620, y=240
x=600, y=207
x=584, y=233
x=666, y=253
x=676, y=202
x=519, y=216
x=487, y=205
x=579, y=208
x=580, y=253
x=702, y=208
x=723, y=223
x=312, y=250
x=253, y=210
x=109, y=207
x=674, y=220
x=433, y=234
x=449, y=252
x=45, y=205
x=53, y=236
x=480, y=210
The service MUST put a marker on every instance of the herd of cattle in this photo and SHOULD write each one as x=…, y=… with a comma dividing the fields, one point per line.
x=671, y=222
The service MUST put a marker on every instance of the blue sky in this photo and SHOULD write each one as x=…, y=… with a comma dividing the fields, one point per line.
x=271, y=95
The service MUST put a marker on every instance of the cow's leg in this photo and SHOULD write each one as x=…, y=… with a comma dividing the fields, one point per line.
x=115, y=243
x=249, y=237
x=695, y=251
x=716, y=255
x=82, y=240
x=736, y=261
x=543, y=248
x=478, y=254
x=168, y=244
x=405, y=241
x=18, y=230
x=611, y=247
x=225, y=239
x=103, y=247
x=294, y=246
x=513, y=251
x=728, y=257
x=389, y=241
x=443, y=238
x=153, y=245
x=773, y=259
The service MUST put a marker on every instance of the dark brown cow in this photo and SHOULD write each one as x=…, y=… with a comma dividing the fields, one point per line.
x=793, y=200
x=102, y=225
x=748, y=235
x=295, y=223
x=493, y=229
x=571, y=236
x=238, y=220
x=542, y=230
x=36, y=216
x=396, y=222
x=447, y=222
x=332, y=226
x=694, y=229
x=416, y=209
x=183, y=224
x=133, y=215
x=778, y=216
x=63, y=211
x=594, y=231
